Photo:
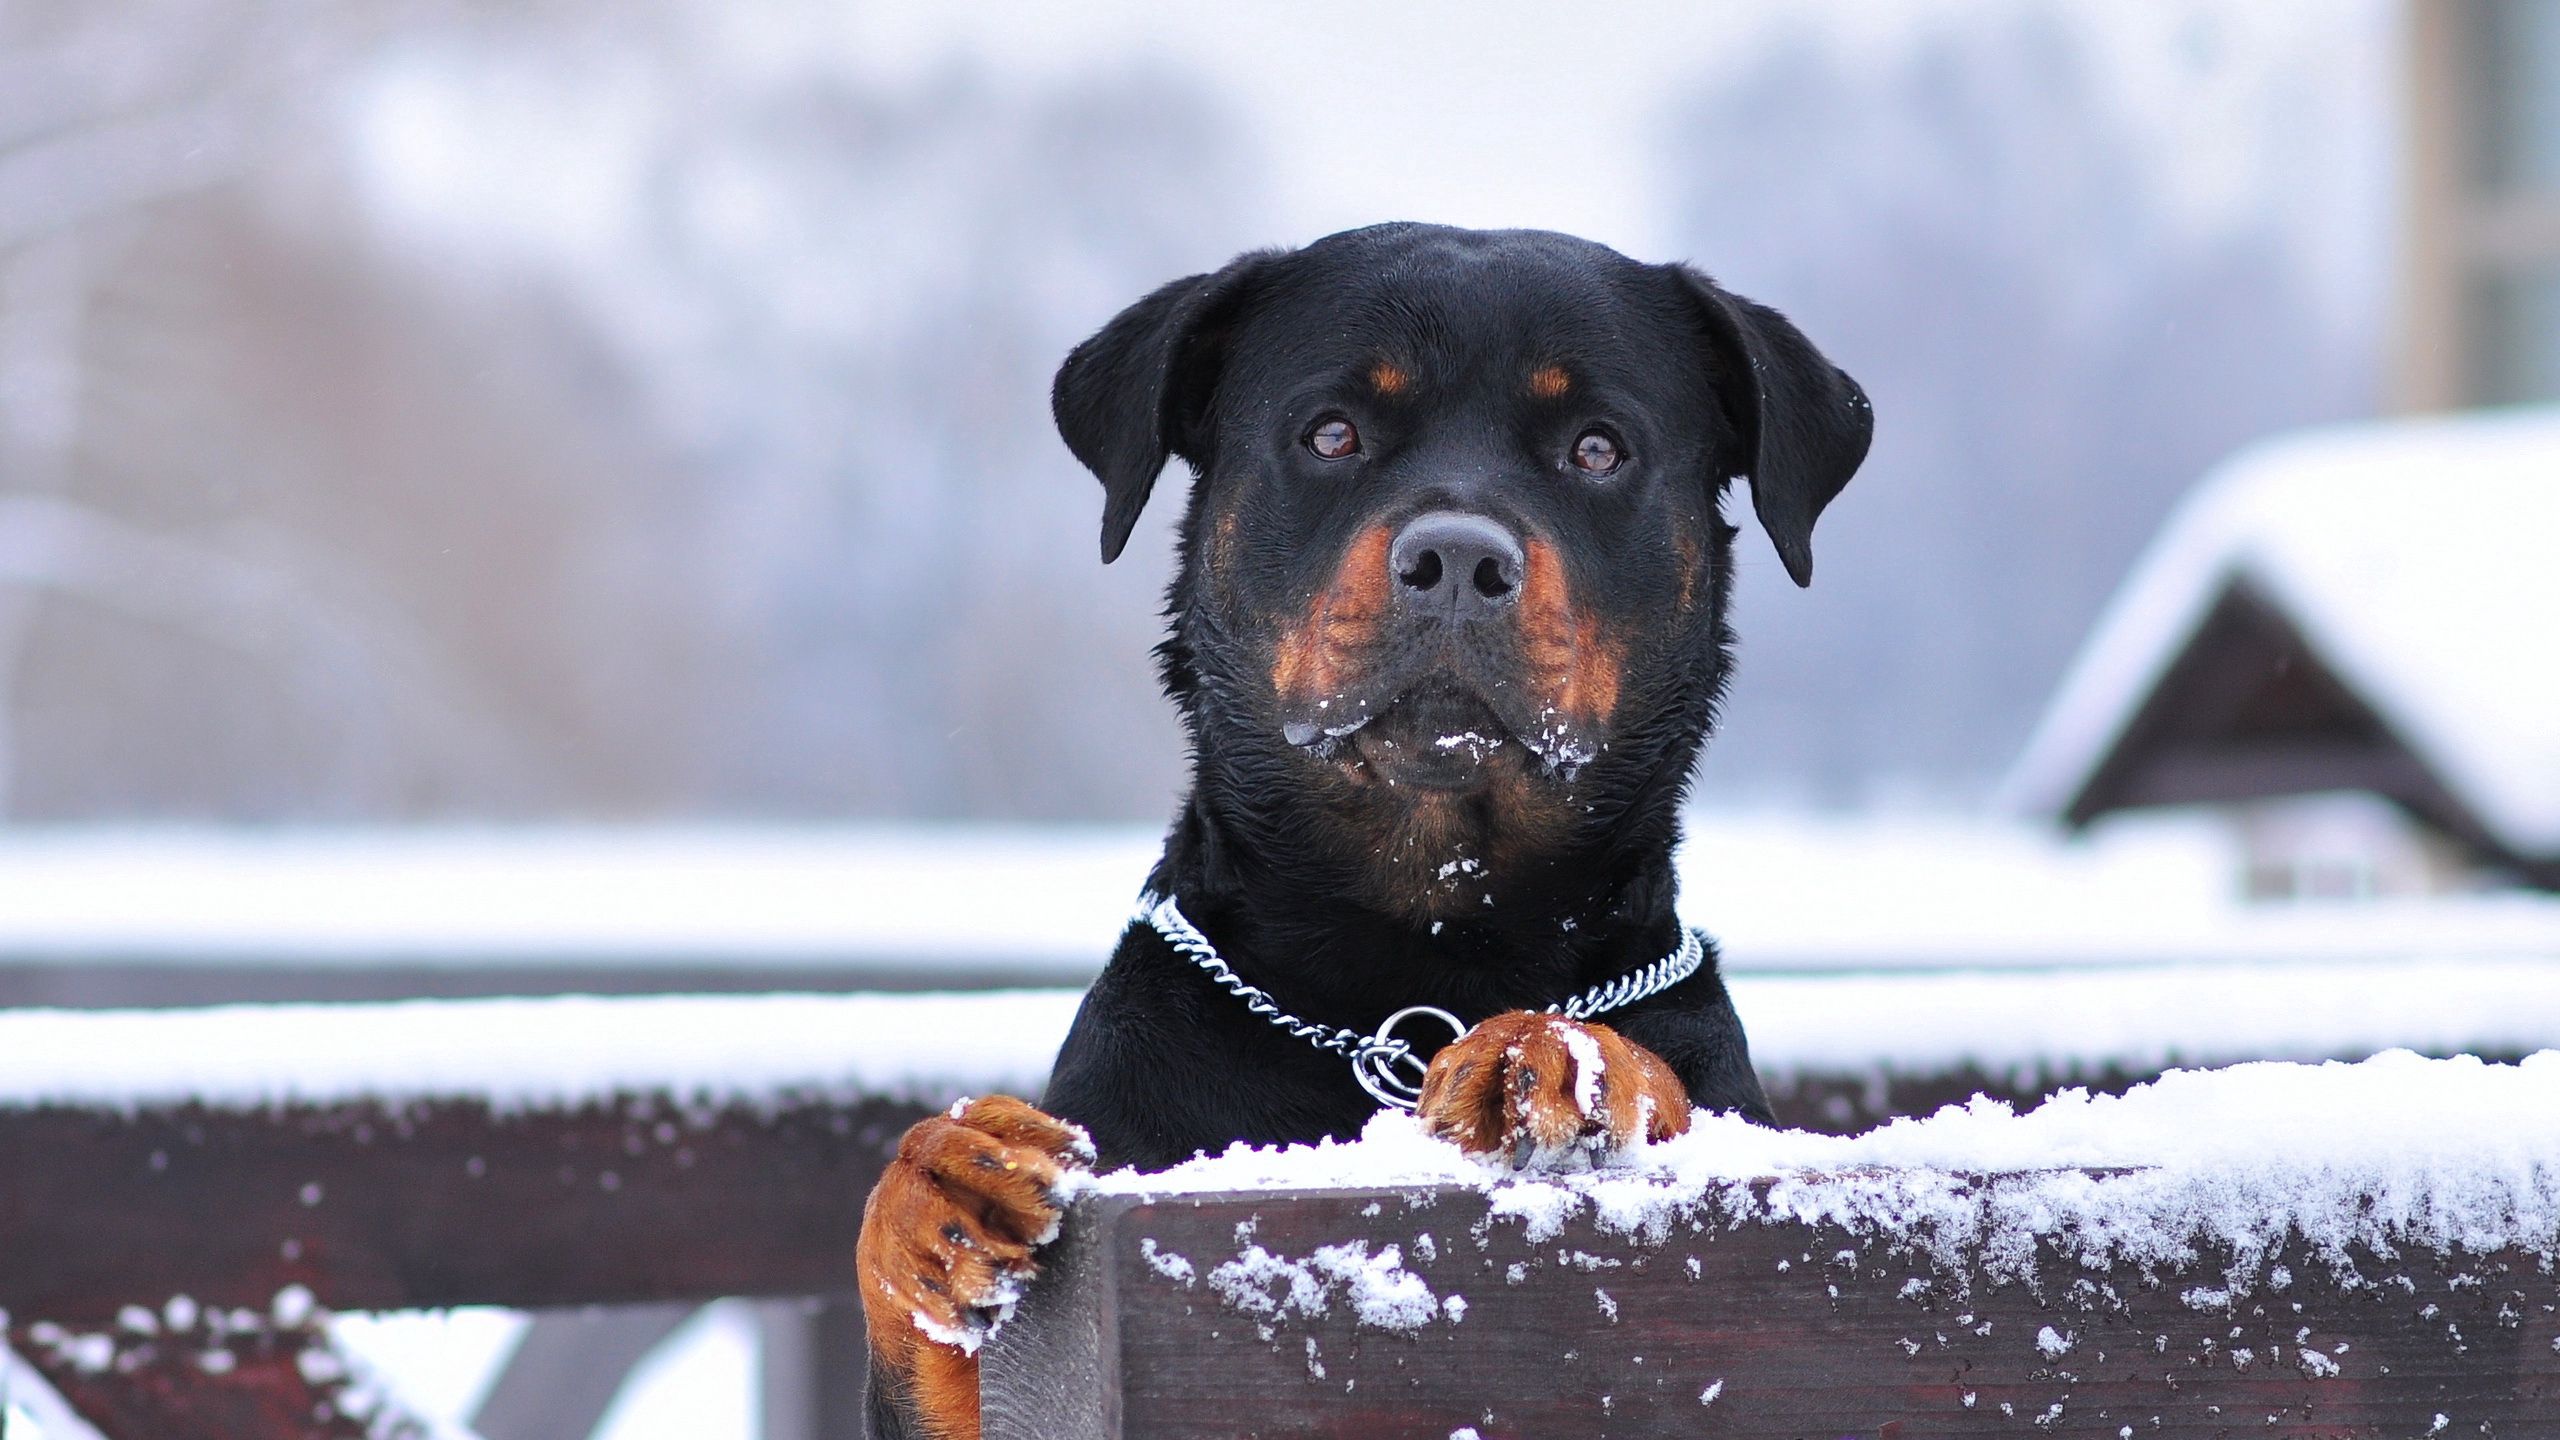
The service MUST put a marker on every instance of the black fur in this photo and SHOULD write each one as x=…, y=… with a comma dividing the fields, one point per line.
x=1347, y=898
x=1804, y=423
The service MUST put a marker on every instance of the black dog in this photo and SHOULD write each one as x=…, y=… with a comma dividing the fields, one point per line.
x=1448, y=632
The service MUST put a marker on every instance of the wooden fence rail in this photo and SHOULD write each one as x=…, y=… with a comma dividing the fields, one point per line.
x=200, y=1218
x=157, y=1265
x=1229, y=1316
x=164, y=1266
x=109, y=1213
x=443, y=1203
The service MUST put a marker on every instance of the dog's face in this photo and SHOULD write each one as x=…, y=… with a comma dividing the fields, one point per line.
x=1454, y=575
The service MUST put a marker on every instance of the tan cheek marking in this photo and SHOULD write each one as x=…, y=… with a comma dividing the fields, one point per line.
x=1549, y=382
x=1389, y=378
x=1546, y=613
x=1592, y=689
x=1689, y=565
x=1570, y=659
x=1343, y=618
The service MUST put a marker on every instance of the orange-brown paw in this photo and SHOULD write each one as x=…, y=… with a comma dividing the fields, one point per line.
x=947, y=1243
x=1540, y=1092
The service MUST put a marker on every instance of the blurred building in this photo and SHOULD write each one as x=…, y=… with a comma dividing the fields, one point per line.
x=2481, y=317
x=2331, y=622
x=2341, y=639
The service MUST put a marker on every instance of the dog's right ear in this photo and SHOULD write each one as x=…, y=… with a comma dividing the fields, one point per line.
x=1139, y=390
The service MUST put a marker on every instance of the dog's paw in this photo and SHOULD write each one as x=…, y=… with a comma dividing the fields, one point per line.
x=947, y=1242
x=1540, y=1092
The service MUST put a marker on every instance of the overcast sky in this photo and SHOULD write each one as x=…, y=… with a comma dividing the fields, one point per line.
x=1526, y=112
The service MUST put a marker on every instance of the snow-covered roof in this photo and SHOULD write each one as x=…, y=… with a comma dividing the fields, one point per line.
x=2415, y=557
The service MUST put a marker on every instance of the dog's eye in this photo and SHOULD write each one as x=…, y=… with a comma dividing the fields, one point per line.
x=1594, y=453
x=1334, y=439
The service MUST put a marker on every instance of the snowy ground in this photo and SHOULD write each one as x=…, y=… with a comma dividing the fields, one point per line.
x=1778, y=892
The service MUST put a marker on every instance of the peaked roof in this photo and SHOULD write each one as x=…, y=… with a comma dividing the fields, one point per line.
x=2419, y=560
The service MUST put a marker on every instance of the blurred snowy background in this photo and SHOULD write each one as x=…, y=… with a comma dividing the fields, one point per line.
x=561, y=495
x=446, y=411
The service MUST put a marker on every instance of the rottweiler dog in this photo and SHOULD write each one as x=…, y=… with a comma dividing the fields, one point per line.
x=1447, y=633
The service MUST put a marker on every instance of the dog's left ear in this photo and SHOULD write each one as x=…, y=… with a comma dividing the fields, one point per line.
x=1805, y=424
x=1139, y=390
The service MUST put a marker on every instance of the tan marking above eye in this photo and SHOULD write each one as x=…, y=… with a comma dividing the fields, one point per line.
x=1389, y=378
x=1548, y=382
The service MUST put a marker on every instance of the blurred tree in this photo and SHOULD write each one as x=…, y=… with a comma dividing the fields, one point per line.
x=108, y=123
x=2065, y=309
x=570, y=410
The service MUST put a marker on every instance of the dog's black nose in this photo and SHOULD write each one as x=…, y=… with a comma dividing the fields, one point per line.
x=1464, y=564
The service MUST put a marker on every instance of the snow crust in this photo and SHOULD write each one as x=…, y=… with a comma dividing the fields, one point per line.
x=2414, y=557
x=539, y=1054
x=1382, y=1293
x=2390, y=1152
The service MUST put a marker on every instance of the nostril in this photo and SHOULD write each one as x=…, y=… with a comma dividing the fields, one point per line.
x=1455, y=565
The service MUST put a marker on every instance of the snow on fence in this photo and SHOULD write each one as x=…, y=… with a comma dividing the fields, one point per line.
x=183, y=1192
x=2279, y=1250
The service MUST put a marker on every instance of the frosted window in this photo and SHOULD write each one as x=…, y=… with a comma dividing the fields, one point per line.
x=2520, y=336
x=2521, y=68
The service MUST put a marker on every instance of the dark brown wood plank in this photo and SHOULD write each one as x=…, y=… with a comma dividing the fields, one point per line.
x=385, y=1207
x=1798, y=1330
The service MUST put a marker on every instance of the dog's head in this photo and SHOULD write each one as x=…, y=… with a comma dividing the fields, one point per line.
x=1454, y=575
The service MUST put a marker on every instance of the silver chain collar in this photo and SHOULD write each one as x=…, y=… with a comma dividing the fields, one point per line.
x=1385, y=1066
